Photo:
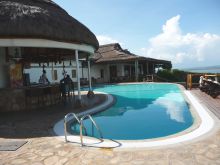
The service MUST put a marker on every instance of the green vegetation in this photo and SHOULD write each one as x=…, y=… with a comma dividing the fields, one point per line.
x=173, y=75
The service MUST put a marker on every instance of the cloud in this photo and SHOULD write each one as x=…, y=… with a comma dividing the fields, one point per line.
x=174, y=107
x=184, y=50
x=106, y=40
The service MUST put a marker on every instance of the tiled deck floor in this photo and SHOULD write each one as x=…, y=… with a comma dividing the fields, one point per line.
x=47, y=150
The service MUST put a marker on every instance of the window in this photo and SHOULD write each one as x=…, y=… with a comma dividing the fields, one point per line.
x=73, y=73
x=54, y=75
x=102, y=73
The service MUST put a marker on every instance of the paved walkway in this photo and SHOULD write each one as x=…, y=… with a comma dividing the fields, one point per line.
x=44, y=149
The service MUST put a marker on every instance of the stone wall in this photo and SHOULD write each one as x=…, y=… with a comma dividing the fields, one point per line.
x=12, y=100
x=29, y=98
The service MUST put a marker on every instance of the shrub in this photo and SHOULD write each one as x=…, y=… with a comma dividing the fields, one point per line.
x=174, y=75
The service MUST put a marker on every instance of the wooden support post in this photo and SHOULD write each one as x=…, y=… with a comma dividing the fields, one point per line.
x=147, y=68
x=189, y=81
x=6, y=55
x=136, y=70
x=153, y=69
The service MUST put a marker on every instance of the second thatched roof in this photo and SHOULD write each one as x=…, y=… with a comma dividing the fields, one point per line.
x=112, y=53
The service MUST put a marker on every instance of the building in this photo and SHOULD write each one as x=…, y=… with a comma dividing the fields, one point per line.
x=111, y=63
x=37, y=32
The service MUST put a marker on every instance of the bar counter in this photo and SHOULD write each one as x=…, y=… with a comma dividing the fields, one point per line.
x=29, y=97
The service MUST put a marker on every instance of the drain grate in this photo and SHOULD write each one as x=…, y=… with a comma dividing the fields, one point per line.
x=11, y=145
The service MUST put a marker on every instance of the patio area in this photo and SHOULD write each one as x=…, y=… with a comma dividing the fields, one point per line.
x=43, y=148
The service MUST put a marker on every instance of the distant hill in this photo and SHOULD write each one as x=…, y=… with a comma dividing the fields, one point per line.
x=204, y=68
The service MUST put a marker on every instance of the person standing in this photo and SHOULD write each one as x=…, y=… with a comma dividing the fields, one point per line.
x=43, y=79
x=201, y=82
x=66, y=85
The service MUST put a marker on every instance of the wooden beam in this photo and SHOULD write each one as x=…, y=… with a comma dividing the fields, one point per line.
x=6, y=55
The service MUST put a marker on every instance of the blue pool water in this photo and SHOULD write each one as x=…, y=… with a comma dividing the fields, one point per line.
x=142, y=111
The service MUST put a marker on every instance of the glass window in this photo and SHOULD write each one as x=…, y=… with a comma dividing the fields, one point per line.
x=54, y=75
x=73, y=73
x=102, y=73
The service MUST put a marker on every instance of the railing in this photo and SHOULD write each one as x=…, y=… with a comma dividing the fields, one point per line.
x=65, y=122
x=190, y=77
x=82, y=125
x=80, y=121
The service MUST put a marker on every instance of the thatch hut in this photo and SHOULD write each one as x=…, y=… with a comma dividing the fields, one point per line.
x=114, y=64
x=38, y=31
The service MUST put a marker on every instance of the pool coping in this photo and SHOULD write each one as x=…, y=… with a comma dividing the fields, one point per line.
x=205, y=124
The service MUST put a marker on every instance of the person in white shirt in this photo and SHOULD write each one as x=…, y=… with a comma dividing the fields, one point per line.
x=201, y=82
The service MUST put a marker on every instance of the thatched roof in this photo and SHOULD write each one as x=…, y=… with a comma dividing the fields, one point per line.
x=111, y=53
x=42, y=19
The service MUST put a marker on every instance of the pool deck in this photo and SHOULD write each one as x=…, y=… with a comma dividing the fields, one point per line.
x=43, y=148
x=208, y=101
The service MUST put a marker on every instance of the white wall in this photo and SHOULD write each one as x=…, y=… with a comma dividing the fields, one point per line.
x=96, y=72
x=36, y=71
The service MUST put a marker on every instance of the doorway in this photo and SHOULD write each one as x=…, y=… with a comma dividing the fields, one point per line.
x=113, y=73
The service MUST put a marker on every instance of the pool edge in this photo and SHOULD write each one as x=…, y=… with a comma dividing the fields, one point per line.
x=207, y=124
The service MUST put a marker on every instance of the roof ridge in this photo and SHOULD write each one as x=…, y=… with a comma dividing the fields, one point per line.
x=111, y=44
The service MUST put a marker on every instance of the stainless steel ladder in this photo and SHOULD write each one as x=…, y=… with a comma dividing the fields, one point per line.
x=65, y=122
x=80, y=121
x=82, y=125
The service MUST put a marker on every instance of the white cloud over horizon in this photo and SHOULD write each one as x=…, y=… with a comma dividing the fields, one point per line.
x=184, y=50
x=104, y=39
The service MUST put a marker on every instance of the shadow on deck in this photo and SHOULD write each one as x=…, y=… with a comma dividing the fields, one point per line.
x=39, y=122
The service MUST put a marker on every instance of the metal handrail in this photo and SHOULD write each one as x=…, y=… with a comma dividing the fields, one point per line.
x=65, y=122
x=81, y=127
x=80, y=121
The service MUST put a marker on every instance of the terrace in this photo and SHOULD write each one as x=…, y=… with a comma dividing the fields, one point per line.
x=43, y=147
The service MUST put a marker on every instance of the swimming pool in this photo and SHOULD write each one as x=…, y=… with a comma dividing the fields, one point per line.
x=141, y=111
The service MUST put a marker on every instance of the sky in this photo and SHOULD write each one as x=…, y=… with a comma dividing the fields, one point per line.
x=187, y=32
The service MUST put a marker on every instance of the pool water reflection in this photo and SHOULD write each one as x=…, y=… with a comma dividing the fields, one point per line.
x=142, y=111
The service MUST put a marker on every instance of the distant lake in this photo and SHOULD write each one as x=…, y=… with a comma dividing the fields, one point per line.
x=205, y=71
